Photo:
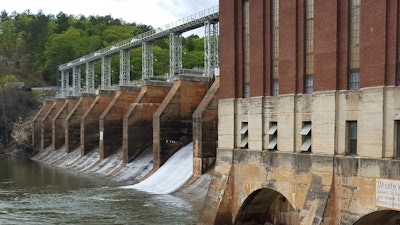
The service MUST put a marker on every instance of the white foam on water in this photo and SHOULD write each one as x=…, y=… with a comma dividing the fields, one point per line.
x=174, y=173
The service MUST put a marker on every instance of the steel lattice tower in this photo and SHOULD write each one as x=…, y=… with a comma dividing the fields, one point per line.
x=105, y=72
x=147, y=60
x=64, y=83
x=125, y=68
x=211, y=60
x=76, y=80
x=90, y=77
x=175, y=54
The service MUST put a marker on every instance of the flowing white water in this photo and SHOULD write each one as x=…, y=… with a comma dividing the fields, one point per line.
x=171, y=175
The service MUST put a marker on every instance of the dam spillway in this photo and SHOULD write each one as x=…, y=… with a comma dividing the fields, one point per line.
x=127, y=135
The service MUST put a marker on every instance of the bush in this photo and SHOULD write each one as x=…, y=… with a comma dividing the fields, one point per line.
x=16, y=109
x=21, y=135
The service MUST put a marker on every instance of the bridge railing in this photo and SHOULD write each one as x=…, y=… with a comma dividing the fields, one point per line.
x=192, y=18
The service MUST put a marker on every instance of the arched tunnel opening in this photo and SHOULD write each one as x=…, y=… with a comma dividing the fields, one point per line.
x=266, y=207
x=387, y=217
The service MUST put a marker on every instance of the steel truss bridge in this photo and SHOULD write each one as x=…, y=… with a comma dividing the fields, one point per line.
x=208, y=19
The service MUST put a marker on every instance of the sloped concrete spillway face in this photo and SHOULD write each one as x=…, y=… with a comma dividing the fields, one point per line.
x=172, y=175
x=265, y=207
x=387, y=217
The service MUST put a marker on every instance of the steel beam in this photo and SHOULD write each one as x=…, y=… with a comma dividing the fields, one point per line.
x=76, y=80
x=211, y=60
x=64, y=83
x=90, y=77
x=147, y=60
x=105, y=72
x=175, y=54
x=124, y=66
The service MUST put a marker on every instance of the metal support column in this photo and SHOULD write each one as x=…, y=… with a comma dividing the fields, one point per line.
x=175, y=55
x=125, y=67
x=105, y=72
x=76, y=80
x=64, y=83
x=211, y=60
x=90, y=77
x=147, y=60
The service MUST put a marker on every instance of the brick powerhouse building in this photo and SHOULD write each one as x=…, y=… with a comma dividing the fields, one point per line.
x=309, y=114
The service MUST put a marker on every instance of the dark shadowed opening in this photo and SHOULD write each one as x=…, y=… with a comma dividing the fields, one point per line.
x=387, y=217
x=266, y=206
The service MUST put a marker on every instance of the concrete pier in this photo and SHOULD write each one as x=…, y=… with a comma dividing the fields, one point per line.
x=112, y=117
x=59, y=122
x=138, y=120
x=172, y=122
x=73, y=122
x=90, y=121
x=47, y=123
x=205, y=131
x=37, y=124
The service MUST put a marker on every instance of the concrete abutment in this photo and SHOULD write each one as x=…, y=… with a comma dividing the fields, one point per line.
x=310, y=189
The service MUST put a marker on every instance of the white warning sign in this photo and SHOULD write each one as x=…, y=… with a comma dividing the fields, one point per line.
x=387, y=193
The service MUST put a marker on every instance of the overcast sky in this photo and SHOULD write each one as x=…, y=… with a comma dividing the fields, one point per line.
x=156, y=13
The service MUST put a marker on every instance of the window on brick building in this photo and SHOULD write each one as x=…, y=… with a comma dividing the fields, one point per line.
x=246, y=49
x=398, y=71
x=309, y=47
x=354, y=79
x=351, y=127
x=244, y=135
x=273, y=136
x=275, y=47
x=309, y=83
x=275, y=87
x=306, y=137
x=354, y=45
x=397, y=139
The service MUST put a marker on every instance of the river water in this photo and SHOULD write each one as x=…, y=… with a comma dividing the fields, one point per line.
x=36, y=193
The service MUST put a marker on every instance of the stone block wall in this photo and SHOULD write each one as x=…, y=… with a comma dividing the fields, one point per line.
x=325, y=185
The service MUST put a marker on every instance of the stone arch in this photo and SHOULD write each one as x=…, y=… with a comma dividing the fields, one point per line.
x=387, y=217
x=266, y=206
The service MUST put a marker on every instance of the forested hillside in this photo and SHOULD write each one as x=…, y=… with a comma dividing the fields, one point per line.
x=33, y=45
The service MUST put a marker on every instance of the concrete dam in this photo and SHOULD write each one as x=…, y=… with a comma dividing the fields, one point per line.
x=288, y=147
x=126, y=135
